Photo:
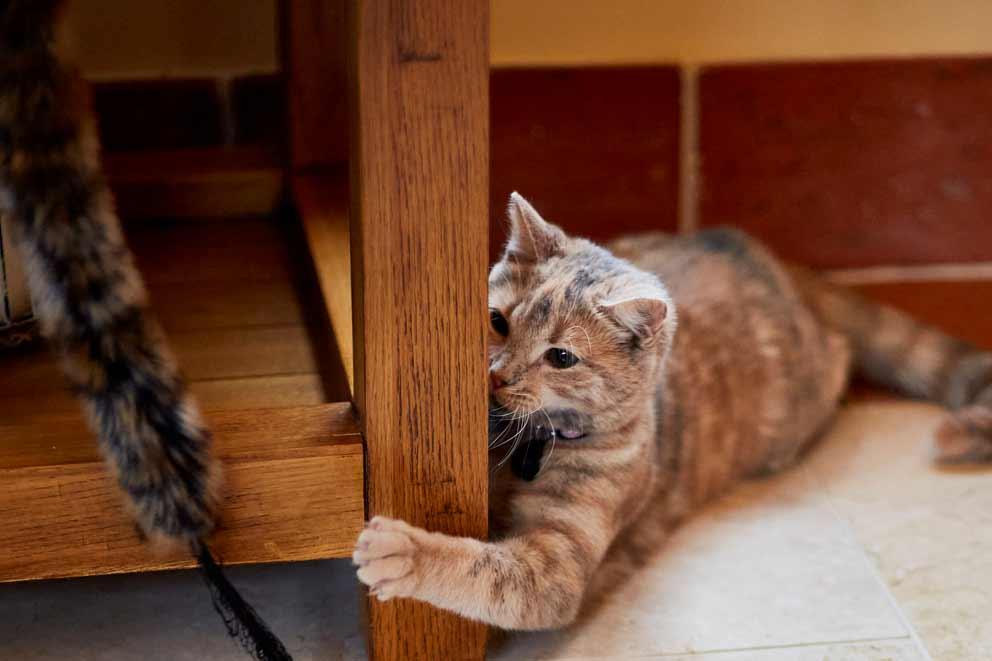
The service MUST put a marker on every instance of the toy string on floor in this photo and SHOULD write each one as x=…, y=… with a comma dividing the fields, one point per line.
x=241, y=620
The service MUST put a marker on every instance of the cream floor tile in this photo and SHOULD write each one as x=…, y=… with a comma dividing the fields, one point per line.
x=770, y=565
x=929, y=531
x=883, y=650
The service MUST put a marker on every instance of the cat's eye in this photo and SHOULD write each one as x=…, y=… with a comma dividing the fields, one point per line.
x=560, y=359
x=499, y=322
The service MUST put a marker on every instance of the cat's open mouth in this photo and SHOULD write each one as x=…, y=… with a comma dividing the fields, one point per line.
x=541, y=425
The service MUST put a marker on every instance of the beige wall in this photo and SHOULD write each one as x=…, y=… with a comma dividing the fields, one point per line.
x=149, y=38
x=140, y=38
x=698, y=31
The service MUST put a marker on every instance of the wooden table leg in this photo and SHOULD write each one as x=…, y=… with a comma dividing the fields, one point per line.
x=419, y=158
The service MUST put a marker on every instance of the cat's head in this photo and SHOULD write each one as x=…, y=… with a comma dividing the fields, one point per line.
x=575, y=333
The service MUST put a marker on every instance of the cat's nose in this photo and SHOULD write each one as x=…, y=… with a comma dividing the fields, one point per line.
x=496, y=381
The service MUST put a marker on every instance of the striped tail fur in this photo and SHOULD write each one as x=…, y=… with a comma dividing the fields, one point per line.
x=895, y=350
x=87, y=293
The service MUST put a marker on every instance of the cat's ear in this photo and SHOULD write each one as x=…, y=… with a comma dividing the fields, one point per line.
x=532, y=239
x=646, y=314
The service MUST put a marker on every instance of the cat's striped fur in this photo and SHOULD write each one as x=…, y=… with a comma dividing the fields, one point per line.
x=86, y=290
x=661, y=421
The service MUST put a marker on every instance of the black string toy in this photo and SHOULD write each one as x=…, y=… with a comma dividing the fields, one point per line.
x=241, y=620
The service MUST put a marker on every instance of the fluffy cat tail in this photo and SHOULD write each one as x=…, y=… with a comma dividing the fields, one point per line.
x=86, y=291
x=895, y=350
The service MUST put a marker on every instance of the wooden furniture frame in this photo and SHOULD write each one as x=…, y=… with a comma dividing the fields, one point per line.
x=388, y=175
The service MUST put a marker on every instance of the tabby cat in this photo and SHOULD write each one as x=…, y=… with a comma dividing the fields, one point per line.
x=86, y=291
x=631, y=386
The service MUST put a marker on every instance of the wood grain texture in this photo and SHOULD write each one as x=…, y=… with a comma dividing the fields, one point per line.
x=269, y=391
x=212, y=305
x=322, y=202
x=240, y=435
x=419, y=225
x=187, y=254
x=293, y=485
x=315, y=50
x=233, y=297
x=846, y=164
x=222, y=353
x=196, y=183
x=595, y=149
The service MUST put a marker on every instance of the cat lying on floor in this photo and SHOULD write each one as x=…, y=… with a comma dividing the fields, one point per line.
x=629, y=386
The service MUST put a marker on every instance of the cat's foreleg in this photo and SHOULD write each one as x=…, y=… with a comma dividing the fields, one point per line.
x=534, y=580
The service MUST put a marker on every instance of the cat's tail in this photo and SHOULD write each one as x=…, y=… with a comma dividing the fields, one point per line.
x=86, y=291
x=895, y=350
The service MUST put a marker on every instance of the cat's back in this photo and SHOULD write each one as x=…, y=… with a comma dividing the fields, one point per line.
x=752, y=370
x=703, y=261
x=719, y=278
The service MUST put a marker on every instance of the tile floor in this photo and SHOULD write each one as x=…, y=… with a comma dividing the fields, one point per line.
x=865, y=552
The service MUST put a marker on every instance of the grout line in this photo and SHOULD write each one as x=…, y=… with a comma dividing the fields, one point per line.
x=228, y=121
x=689, y=150
x=761, y=648
x=927, y=272
x=6, y=313
x=872, y=567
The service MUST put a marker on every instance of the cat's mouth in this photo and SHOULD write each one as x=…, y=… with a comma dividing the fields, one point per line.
x=539, y=425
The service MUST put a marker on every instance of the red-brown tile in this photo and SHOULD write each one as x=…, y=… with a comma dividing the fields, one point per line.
x=158, y=114
x=852, y=163
x=259, y=104
x=595, y=149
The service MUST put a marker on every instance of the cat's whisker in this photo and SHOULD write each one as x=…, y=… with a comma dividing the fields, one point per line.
x=554, y=438
x=516, y=442
x=518, y=414
x=495, y=443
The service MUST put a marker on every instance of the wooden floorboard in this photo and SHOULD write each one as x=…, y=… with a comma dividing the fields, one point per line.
x=254, y=392
x=242, y=435
x=234, y=297
x=239, y=250
x=196, y=183
x=221, y=305
x=219, y=353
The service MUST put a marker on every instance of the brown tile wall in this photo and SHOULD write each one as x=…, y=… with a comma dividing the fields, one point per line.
x=847, y=164
x=595, y=150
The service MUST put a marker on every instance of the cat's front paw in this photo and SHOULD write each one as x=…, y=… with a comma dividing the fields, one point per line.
x=386, y=555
